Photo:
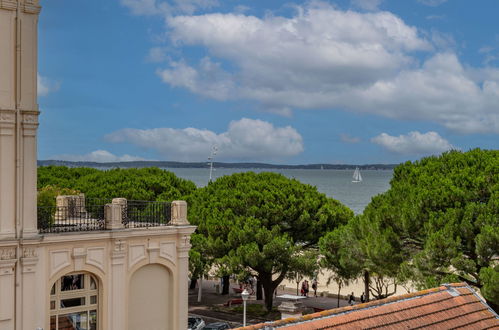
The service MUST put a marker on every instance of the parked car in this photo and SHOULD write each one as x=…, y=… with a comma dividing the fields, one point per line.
x=195, y=323
x=217, y=326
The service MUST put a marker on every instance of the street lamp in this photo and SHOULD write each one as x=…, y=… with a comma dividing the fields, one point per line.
x=245, y=294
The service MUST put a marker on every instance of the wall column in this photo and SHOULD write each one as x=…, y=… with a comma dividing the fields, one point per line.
x=7, y=172
x=8, y=262
x=117, y=287
x=182, y=278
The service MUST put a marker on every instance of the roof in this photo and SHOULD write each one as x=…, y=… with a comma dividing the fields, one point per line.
x=448, y=306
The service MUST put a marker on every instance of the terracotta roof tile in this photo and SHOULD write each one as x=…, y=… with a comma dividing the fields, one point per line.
x=449, y=306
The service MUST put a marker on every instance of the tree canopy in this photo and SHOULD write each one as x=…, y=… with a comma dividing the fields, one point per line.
x=261, y=223
x=138, y=184
x=441, y=217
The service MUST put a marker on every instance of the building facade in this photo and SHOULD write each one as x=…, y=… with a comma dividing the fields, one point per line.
x=98, y=269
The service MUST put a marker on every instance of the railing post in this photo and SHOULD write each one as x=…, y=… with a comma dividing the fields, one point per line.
x=113, y=216
x=179, y=213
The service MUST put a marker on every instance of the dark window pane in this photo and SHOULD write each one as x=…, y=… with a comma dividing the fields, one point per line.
x=72, y=282
x=93, y=284
x=66, y=303
x=52, y=291
x=93, y=300
x=52, y=304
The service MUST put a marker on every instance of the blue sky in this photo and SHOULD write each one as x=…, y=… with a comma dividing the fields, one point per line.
x=350, y=81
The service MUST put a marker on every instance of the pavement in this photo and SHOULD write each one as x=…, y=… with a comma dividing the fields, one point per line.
x=210, y=306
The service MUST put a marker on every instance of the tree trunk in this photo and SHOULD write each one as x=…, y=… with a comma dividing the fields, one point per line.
x=366, y=284
x=268, y=289
x=226, y=284
x=200, y=289
x=339, y=290
x=259, y=291
x=194, y=280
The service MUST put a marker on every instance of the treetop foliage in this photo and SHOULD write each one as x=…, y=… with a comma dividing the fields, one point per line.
x=151, y=184
x=262, y=223
x=444, y=213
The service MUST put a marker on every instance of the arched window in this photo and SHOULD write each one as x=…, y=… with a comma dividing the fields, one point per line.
x=74, y=303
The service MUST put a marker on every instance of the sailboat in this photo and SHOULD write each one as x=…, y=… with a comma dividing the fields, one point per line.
x=356, y=175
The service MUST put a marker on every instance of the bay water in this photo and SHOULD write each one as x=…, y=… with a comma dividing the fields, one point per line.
x=334, y=183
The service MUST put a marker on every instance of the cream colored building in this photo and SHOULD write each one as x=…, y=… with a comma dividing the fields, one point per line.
x=100, y=268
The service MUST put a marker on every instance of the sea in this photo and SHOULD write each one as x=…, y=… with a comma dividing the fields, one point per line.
x=334, y=183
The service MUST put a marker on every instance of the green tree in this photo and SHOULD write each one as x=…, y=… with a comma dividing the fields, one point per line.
x=304, y=264
x=152, y=184
x=444, y=212
x=262, y=222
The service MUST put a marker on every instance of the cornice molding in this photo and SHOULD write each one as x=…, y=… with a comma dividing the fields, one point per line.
x=27, y=6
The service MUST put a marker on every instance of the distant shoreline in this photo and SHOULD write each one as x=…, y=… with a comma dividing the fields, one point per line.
x=170, y=164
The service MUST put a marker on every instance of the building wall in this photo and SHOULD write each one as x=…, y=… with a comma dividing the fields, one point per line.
x=31, y=263
x=126, y=262
x=150, y=298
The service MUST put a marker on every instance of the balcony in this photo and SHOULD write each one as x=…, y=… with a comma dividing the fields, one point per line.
x=75, y=214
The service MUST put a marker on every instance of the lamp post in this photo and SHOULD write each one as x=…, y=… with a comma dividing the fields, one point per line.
x=245, y=294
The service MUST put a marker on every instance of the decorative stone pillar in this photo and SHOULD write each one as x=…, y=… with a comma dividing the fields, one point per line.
x=179, y=213
x=114, y=216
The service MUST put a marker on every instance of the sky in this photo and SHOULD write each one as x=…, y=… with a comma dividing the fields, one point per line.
x=283, y=82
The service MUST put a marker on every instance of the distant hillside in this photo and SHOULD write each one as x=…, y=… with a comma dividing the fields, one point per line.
x=165, y=164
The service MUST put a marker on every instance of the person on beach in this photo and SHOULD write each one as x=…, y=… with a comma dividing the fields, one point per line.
x=351, y=299
x=363, y=297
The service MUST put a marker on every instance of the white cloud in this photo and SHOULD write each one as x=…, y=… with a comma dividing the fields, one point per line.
x=414, y=143
x=156, y=55
x=245, y=139
x=432, y=3
x=327, y=58
x=208, y=79
x=45, y=86
x=371, y=5
x=99, y=156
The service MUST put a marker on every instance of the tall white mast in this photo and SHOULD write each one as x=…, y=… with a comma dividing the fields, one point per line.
x=214, y=150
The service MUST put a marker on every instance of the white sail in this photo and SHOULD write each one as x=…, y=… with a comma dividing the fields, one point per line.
x=356, y=176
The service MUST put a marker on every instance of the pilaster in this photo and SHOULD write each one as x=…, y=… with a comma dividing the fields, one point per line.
x=118, y=286
x=8, y=260
x=7, y=173
x=183, y=247
x=28, y=264
x=29, y=124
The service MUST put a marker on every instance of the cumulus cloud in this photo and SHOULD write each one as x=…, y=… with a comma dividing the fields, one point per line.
x=45, y=86
x=414, y=143
x=245, y=139
x=99, y=156
x=207, y=79
x=156, y=55
x=325, y=58
x=367, y=4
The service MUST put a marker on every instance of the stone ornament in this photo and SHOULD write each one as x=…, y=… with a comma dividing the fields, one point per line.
x=7, y=253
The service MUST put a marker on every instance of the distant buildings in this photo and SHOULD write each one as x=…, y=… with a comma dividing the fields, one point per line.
x=81, y=265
